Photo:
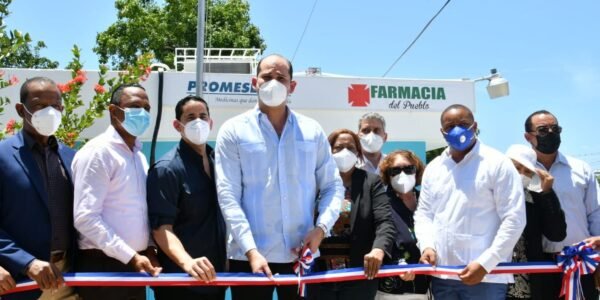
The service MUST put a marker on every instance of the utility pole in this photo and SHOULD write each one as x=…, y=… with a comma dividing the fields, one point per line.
x=200, y=48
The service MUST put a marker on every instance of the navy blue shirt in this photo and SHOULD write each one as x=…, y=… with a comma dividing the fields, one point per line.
x=180, y=193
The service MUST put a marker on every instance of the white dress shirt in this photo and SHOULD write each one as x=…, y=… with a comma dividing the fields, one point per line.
x=110, y=211
x=365, y=164
x=267, y=185
x=577, y=190
x=473, y=210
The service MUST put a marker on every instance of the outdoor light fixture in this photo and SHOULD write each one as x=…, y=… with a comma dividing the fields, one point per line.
x=497, y=86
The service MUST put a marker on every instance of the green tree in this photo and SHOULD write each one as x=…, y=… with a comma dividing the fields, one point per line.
x=433, y=153
x=17, y=50
x=143, y=26
x=73, y=121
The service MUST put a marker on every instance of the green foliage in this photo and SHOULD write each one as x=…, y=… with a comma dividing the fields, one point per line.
x=73, y=123
x=143, y=26
x=16, y=49
x=433, y=153
x=12, y=126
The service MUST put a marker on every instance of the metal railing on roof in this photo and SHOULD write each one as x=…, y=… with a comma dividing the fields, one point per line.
x=185, y=58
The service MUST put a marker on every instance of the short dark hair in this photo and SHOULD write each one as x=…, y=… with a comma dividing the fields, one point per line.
x=291, y=69
x=115, y=98
x=182, y=102
x=24, y=92
x=528, y=124
x=456, y=106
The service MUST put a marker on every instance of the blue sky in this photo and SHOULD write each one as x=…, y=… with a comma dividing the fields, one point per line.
x=548, y=50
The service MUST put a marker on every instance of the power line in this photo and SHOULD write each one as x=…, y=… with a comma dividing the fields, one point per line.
x=305, y=27
x=415, y=40
x=587, y=154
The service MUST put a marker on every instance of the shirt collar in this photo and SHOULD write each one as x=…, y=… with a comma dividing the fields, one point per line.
x=560, y=158
x=31, y=143
x=474, y=151
x=187, y=151
x=260, y=115
x=115, y=137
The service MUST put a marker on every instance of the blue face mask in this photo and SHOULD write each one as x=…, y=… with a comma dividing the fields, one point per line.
x=137, y=120
x=459, y=138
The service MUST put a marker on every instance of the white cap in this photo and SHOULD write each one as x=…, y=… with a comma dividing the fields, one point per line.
x=523, y=155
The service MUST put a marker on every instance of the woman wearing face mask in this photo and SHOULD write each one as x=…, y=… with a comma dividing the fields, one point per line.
x=545, y=218
x=364, y=232
x=401, y=171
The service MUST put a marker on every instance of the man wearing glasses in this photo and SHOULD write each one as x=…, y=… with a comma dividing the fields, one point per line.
x=576, y=188
x=471, y=211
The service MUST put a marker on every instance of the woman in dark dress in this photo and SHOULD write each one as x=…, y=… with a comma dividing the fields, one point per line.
x=401, y=171
x=545, y=218
x=364, y=232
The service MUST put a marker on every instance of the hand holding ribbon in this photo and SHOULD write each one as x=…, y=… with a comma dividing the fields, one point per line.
x=302, y=267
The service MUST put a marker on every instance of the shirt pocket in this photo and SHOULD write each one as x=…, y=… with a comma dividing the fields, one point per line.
x=305, y=158
x=463, y=248
x=253, y=158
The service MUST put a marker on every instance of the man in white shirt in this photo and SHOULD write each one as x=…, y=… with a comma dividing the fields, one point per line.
x=471, y=211
x=110, y=211
x=371, y=130
x=270, y=163
x=576, y=188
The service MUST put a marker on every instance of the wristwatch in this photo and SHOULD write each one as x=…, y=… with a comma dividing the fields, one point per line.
x=324, y=228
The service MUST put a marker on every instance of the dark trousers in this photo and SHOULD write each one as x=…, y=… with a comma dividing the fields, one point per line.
x=97, y=261
x=552, y=282
x=349, y=290
x=184, y=293
x=286, y=292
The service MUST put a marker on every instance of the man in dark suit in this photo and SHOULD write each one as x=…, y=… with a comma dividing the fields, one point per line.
x=36, y=195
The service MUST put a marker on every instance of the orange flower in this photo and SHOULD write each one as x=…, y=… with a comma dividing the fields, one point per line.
x=64, y=88
x=10, y=126
x=99, y=89
x=13, y=80
x=2, y=73
x=80, y=78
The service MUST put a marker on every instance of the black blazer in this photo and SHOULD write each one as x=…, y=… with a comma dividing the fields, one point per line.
x=371, y=223
x=25, y=231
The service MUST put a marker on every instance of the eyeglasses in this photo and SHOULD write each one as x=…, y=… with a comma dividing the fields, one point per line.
x=408, y=170
x=545, y=130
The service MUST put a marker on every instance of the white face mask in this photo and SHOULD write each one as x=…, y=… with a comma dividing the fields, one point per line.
x=371, y=142
x=272, y=93
x=535, y=185
x=345, y=160
x=525, y=180
x=45, y=121
x=403, y=183
x=197, y=131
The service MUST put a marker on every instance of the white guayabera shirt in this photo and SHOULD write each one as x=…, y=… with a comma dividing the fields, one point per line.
x=473, y=210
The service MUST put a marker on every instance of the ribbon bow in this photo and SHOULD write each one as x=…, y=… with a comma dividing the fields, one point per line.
x=302, y=267
x=576, y=261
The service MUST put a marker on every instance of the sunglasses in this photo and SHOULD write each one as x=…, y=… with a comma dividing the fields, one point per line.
x=408, y=170
x=545, y=130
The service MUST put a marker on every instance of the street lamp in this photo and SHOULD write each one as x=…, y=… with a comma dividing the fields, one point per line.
x=497, y=85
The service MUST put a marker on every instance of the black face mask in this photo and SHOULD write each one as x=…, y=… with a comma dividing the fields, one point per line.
x=549, y=143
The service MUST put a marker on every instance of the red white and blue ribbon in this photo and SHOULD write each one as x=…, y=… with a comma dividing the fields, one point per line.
x=249, y=279
x=302, y=268
x=575, y=262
